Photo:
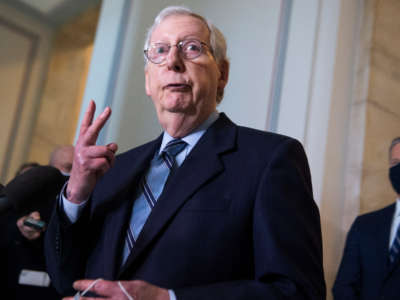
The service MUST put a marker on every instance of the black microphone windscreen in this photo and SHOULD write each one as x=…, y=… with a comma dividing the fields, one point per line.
x=5, y=204
x=28, y=190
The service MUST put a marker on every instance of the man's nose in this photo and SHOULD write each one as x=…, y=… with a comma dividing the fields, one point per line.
x=175, y=60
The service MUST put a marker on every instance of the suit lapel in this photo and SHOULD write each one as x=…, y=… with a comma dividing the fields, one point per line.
x=383, y=236
x=386, y=228
x=202, y=164
x=116, y=201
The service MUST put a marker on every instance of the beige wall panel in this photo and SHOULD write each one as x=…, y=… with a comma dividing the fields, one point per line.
x=383, y=107
x=381, y=126
x=66, y=80
x=14, y=56
x=18, y=138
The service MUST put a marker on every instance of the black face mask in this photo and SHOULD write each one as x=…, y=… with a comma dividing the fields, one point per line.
x=394, y=175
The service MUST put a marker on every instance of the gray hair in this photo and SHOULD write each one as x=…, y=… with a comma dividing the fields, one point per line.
x=217, y=40
x=394, y=142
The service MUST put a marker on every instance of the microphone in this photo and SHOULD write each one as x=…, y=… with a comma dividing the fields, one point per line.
x=5, y=205
x=31, y=189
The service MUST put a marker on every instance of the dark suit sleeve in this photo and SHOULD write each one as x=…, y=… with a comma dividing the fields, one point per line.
x=66, y=248
x=348, y=280
x=287, y=242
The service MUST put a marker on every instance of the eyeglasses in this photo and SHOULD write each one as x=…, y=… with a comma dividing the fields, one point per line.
x=188, y=49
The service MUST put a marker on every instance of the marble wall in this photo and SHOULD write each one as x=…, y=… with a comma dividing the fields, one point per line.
x=382, y=121
x=64, y=88
x=374, y=120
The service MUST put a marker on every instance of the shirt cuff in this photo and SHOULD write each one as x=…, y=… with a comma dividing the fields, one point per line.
x=172, y=295
x=72, y=210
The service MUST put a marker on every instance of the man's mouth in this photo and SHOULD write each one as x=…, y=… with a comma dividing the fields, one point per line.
x=178, y=87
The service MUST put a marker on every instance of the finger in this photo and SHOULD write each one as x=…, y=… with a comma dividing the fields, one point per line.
x=24, y=228
x=20, y=221
x=88, y=117
x=30, y=230
x=35, y=215
x=98, y=152
x=112, y=147
x=83, y=284
x=101, y=287
x=94, y=129
x=96, y=157
x=94, y=165
x=82, y=298
x=90, y=298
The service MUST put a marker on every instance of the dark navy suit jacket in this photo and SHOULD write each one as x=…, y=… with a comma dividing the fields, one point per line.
x=364, y=272
x=236, y=221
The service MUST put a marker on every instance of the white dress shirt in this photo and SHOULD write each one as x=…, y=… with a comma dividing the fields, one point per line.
x=395, y=222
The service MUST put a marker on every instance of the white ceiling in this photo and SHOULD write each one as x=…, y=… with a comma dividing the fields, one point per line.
x=52, y=12
x=44, y=6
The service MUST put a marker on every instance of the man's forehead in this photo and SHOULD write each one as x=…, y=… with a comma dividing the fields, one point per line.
x=396, y=150
x=194, y=27
x=395, y=155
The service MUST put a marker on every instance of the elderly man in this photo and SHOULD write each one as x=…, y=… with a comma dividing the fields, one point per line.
x=208, y=210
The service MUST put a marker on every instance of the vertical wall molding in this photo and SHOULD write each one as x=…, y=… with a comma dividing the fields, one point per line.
x=279, y=65
x=104, y=69
x=34, y=40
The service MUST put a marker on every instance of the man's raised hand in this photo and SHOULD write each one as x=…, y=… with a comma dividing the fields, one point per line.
x=90, y=160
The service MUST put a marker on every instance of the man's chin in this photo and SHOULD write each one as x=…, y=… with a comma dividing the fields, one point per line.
x=176, y=106
x=179, y=110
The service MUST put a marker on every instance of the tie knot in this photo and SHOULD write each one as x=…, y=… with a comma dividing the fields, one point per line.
x=174, y=147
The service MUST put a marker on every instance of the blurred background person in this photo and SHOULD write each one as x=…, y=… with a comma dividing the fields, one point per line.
x=2, y=195
x=370, y=265
x=61, y=158
x=31, y=196
x=25, y=167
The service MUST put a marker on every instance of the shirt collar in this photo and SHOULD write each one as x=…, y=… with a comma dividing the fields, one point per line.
x=397, y=212
x=192, y=138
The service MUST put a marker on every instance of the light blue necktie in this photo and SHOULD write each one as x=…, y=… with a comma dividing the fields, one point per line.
x=395, y=249
x=151, y=187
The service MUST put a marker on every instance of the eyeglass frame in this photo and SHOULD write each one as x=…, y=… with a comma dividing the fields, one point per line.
x=179, y=45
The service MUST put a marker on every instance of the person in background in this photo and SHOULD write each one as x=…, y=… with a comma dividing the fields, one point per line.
x=2, y=194
x=25, y=167
x=32, y=193
x=208, y=210
x=370, y=266
x=61, y=158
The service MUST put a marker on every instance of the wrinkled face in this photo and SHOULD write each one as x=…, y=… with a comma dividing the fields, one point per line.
x=180, y=86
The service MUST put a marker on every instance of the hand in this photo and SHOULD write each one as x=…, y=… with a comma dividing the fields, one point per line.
x=90, y=161
x=137, y=289
x=29, y=232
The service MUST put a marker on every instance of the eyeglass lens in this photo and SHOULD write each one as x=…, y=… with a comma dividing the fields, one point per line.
x=189, y=49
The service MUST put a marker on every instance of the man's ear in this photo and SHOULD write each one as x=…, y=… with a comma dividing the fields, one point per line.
x=223, y=79
x=147, y=81
x=224, y=74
